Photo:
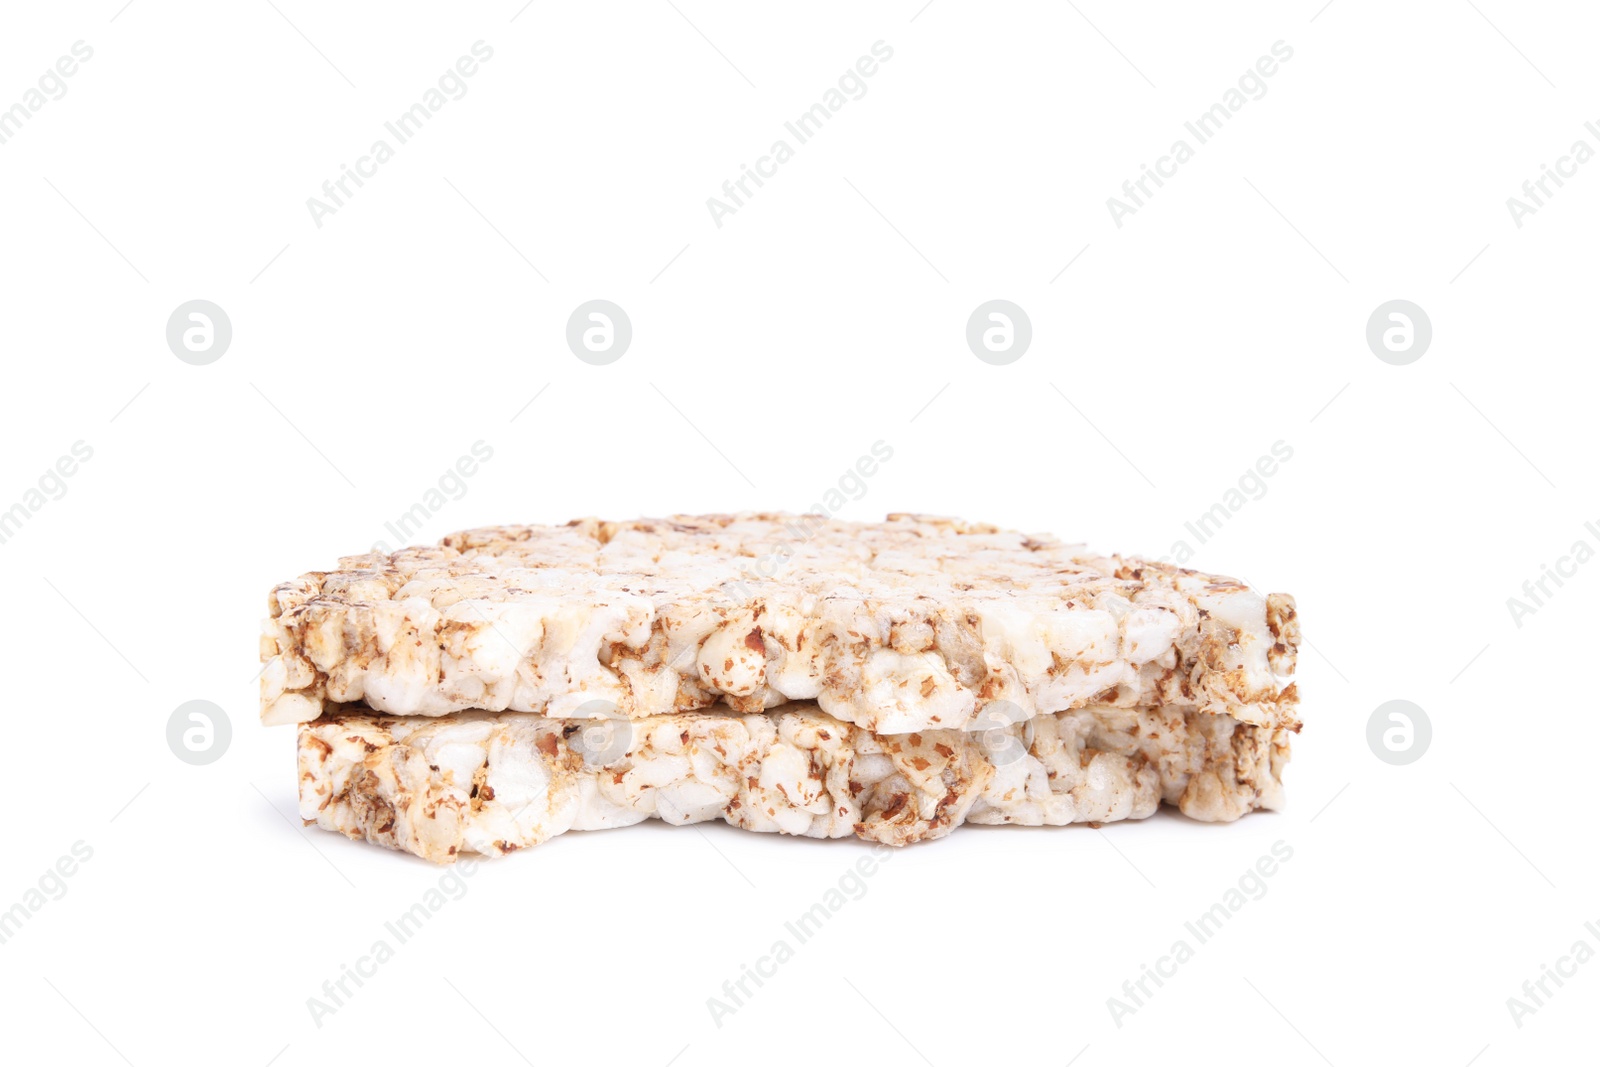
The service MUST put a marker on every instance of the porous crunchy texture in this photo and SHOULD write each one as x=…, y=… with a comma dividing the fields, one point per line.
x=490, y=784
x=910, y=624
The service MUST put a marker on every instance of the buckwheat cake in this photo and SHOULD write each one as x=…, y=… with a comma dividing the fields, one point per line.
x=442, y=786
x=915, y=623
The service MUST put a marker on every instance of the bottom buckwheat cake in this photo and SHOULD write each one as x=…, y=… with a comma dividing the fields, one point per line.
x=494, y=783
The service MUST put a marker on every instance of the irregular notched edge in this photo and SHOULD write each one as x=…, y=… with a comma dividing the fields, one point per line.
x=1170, y=636
x=491, y=784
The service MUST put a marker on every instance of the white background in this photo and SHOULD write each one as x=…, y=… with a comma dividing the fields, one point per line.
x=828, y=313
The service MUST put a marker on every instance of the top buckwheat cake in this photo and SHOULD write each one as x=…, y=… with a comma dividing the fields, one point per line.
x=910, y=624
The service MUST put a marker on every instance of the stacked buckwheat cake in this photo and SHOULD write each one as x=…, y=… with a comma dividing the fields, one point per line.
x=782, y=673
